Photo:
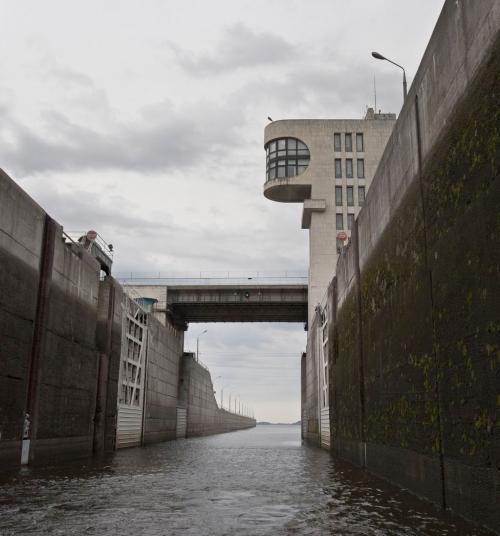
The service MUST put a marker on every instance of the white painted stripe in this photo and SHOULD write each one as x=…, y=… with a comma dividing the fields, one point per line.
x=129, y=426
x=325, y=427
x=181, y=422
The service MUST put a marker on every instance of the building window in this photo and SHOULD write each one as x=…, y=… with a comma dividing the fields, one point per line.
x=361, y=168
x=361, y=195
x=348, y=143
x=360, y=146
x=350, y=196
x=337, y=142
x=348, y=168
x=286, y=157
x=338, y=196
x=339, y=222
x=350, y=221
x=338, y=168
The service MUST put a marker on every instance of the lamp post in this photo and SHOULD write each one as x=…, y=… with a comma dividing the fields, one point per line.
x=222, y=396
x=198, y=343
x=379, y=56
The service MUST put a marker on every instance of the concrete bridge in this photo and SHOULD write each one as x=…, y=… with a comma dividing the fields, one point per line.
x=227, y=303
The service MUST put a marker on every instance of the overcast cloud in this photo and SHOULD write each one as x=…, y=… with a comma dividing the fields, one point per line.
x=144, y=120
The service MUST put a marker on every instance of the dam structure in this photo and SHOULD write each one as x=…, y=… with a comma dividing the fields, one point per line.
x=401, y=372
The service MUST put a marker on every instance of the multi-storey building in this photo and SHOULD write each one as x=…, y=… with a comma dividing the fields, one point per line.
x=328, y=165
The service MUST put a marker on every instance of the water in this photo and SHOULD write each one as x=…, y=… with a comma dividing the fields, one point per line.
x=253, y=482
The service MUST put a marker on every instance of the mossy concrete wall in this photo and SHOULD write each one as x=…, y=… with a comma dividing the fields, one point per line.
x=310, y=389
x=415, y=360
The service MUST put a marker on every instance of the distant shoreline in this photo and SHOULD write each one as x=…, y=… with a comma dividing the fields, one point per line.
x=280, y=423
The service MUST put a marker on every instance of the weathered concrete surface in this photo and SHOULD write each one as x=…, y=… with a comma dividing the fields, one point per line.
x=68, y=365
x=109, y=341
x=416, y=357
x=48, y=311
x=310, y=389
x=196, y=394
x=164, y=352
x=21, y=231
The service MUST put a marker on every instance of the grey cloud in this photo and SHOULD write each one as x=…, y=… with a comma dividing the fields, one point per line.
x=169, y=140
x=167, y=246
x=240, y=47
x=336, y=90
x=70, y=77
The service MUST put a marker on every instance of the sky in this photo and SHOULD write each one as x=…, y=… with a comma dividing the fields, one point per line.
x=144, y=121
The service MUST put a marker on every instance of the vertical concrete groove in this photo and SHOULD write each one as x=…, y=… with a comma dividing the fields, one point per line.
x=39, y=326
x=332, y=340
x=145, y=389
x=437, y=390
x=103, y=379
x=357, y=277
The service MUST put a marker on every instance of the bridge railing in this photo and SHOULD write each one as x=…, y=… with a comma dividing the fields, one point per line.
x=212, y=278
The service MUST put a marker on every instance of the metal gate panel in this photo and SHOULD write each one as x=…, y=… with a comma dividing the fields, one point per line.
x=129, y=426
x=181, y=422
x=131, y=384
x=325, y=427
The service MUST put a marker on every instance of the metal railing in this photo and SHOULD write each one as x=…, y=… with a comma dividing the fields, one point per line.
x=211, y=278
x=99, y=241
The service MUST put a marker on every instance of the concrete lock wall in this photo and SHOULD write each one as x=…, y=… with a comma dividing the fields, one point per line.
x=48, y=312
x=196, y=394
x=415, y=354
x=109, y=342
x=310, y=388
x=22, y=224
x=63, y=424
x=61, y=338
x=164, y=352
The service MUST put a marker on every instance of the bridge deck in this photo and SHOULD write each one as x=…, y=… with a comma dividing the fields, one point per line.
x=230, y=303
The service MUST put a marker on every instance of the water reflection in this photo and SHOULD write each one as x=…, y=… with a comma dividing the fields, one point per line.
x=254, y=482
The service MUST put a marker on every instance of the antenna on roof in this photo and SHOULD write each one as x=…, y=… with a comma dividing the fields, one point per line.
x=375, y=91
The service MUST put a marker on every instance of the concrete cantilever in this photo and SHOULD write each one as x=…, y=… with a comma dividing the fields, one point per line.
x=289, y=189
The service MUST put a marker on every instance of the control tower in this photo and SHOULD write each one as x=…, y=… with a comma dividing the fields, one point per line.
x=328, y=165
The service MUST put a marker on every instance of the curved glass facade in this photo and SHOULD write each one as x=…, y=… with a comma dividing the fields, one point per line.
x=286, y=157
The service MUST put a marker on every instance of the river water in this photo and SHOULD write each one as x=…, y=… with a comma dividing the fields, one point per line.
x=253, y=482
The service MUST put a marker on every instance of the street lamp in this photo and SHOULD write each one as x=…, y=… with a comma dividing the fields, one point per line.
x=222, y=396
x=198, y=343
x=379, y=56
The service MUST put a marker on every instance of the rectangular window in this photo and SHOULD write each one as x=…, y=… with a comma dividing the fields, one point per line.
x=360, y=147
x=348, y=168
x=350, y=196
x=348, y=143
x=337, y=142
x=361, y=168
x=361, y=195
x=338, y=196
x=338, y=168
x=339, y=222
x=350, y=221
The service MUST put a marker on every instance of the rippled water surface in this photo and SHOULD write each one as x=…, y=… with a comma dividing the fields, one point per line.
x=252, y=482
